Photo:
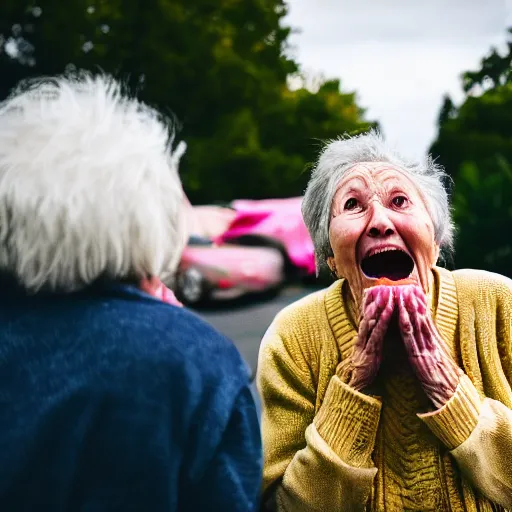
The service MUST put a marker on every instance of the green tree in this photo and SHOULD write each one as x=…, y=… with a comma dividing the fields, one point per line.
x=270, y=149
x=495, y=70
x=483, y=213
x=479, y=129
x=220, y=66
x=474, y=143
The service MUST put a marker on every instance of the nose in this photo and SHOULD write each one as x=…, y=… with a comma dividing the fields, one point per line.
x=380, y=224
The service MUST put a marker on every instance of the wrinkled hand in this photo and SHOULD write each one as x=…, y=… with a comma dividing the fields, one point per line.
x=437, y=372
x=361, y=368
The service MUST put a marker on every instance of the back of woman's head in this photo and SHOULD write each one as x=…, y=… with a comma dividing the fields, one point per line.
x=89, y=187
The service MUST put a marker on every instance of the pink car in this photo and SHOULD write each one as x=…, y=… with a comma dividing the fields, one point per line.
x=224, y=271
x=277, y=223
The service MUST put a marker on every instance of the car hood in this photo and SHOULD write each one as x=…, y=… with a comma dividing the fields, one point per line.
x=279, y=219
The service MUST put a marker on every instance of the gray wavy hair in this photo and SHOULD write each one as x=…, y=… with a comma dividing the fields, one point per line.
x=89, y=186
x=339, y=156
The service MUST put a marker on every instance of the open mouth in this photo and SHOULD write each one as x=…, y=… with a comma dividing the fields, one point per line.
x=393, y=264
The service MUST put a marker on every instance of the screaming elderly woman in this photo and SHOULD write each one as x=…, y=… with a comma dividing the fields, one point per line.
x=391, y=389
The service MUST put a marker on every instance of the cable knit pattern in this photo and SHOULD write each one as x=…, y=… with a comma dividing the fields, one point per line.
x=407, y=454
x=328, y=447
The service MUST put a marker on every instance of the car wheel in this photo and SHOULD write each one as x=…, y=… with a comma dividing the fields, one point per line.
x=190, y=286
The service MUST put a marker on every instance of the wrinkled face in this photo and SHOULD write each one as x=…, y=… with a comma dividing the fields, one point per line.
x=380, y=227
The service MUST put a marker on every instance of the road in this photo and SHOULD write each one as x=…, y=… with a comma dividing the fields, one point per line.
x=245, y=321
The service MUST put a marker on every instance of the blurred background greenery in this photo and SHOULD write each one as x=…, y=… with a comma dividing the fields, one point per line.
x=474, y=143
x=223, y=69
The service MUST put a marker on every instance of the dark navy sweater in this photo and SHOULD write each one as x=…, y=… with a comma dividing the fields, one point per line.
x=113, y=401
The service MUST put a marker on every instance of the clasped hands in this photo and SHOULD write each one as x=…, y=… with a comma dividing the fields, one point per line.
x=435, y=369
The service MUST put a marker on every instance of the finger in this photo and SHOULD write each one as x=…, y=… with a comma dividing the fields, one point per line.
x=372, y=312
x=421, y=299
x=388, y=309
x=377, y=294
x=367, y=362
x=375, y=301
x=414, y=339
x=411, y=303
x=422, y=334
x=413, y=298
x=382, y=325
x=365, y=328
x=369, y=295
x=368, y=298
x=431, y=336
x=405, y=324
x=425, y=333
x=434, y=336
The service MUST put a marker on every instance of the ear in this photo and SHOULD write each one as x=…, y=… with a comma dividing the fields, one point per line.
x=331, y=264
x=437, y=251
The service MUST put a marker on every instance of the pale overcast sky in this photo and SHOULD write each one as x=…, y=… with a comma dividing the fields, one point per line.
x=400, y=56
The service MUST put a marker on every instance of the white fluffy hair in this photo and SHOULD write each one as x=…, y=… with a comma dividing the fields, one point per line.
x=89, y=187
x=339, y=156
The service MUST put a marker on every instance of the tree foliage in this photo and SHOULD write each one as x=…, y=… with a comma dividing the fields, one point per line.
x=495, y=70
x=474, y=143
x=483, y=212
x=220, y=66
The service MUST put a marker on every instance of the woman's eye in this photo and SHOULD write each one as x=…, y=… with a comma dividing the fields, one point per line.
x=351, y=204
x=399, y=201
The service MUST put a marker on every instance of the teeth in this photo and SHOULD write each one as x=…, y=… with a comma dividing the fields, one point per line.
x=384, y=249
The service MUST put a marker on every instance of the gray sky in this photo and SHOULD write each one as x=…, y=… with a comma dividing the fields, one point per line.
x=400, y=56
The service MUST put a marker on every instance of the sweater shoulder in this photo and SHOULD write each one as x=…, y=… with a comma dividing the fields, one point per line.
x=132, y=332
x=482, y=284
x=178, y=336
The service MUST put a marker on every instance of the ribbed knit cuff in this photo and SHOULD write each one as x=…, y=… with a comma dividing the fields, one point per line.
x=454, y=422
x=348, y=423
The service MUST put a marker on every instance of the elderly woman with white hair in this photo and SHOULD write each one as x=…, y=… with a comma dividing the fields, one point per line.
x=112, y=399
x=391, y=389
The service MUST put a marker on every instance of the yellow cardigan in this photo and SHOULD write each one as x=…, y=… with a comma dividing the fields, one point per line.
x=330, y=448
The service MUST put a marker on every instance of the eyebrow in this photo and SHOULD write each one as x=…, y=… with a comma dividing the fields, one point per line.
x=391, y=184
x=351, y=190
x=353, y=187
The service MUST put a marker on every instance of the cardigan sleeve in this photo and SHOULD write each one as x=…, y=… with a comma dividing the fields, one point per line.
x=479, y=434
x=479, y=431
x=313, y=461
